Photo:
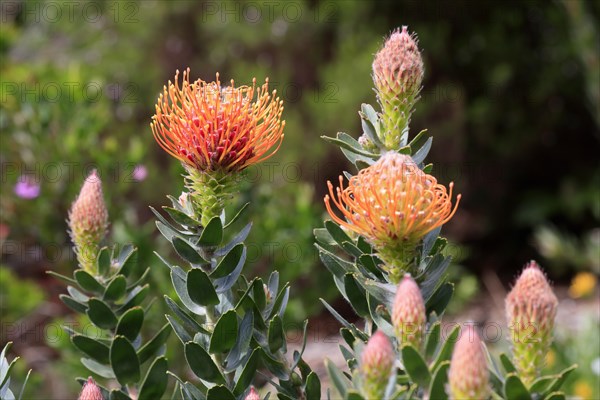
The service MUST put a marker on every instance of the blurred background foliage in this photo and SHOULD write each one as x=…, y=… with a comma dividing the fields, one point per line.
x=511, y=95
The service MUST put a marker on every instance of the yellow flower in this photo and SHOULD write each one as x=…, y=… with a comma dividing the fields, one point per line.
x=583, y=390
x=583, y=285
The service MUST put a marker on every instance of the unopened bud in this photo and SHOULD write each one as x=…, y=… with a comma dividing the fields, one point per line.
x=408, y=313
x=377, y=362
x=90, y=391
x=530, y=310
x=398, y=74
x=468, y=377
x=252, y=395
x=88, y=221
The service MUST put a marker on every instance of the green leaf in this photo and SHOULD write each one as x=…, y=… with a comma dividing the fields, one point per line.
x=438, y=302
x=507, y=364
x=258, y=294
x=63, y=278
x=337, y=378
x=91, y=347
x=200, y=289
x=88, y=282
x=179, y=330
x=356, y=296
x=336, y=232
x=313, y=387
x=183, y=316
x=153, y=345
x=124, y=361
x=73, y=304
x=127, y=260
x=415, y=366
x=276, y=335
x=219, y=393
x=352, y=395
x=118, y=395
x=101, y=315
x=202, y=364
x=225, y=333
x=238, y=215
x=187, y=252
x=212, y=235
x=437, y=389
x=229, y=263
x=242, y=343
x=419, y=155
x=103, y=261
x=562, y=376
x=115, y=289
x=180, y=217
x=347, y=145
x=433, y=340
x=155, y=382
x=130, y=323
x=136, y=297
x=247, y=373
x=97, y=368
x=445, y=351
x=179, y=280
x=514, y=389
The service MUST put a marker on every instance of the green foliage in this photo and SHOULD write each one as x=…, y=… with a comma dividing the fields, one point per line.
x=112, y=300
x=228, y=326
x=5, y=369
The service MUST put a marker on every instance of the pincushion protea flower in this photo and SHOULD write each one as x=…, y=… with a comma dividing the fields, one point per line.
x=397, y=74
x=90, y=391
x=393, y=204
x=468, y=376
x=408, y=313
x=530, y=310
x=88, y=221
x=376, y=364
x=215, y=131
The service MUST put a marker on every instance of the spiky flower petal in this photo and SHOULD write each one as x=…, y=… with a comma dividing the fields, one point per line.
x=530, y=310
x=408, y=313
x=90, y=391
x=210, y=127
x=88, y=221
x=398, y=74
x=376, y=365
x=469, y=376
x=393, y=204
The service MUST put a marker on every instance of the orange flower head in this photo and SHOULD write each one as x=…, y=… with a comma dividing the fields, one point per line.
x=212, y=128
x=391, y=202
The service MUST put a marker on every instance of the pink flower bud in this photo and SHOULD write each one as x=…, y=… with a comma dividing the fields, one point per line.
x=530, y=310
x=90, y=391
x=377, y=362
x=468, y=376
x=252, y=395
x=398, y=74
x=408, y=313
x=88, y=221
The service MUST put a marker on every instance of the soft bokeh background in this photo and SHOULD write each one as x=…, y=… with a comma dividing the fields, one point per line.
x=511, y=95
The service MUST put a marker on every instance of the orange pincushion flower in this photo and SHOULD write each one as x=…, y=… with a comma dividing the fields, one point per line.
x=213, y=128
x=392, y=202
